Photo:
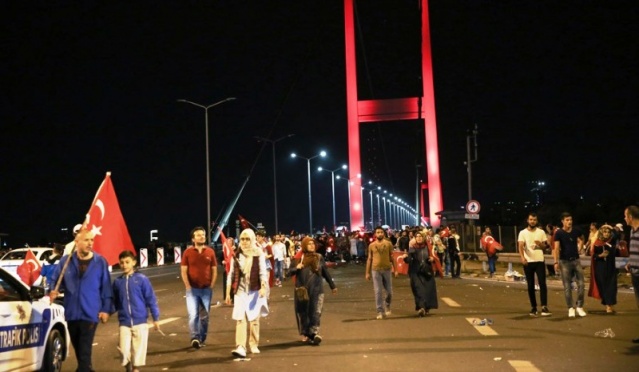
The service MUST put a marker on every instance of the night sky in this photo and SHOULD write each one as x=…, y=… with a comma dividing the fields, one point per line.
x=93, y=87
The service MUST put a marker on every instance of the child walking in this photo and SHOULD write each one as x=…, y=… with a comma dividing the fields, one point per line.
x=133, y=297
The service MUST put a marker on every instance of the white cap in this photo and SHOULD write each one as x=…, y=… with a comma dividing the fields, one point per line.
x=619, y=226
x=77, y=228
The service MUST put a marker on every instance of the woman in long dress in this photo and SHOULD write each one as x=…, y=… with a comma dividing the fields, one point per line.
x=310, y=272
x=603, y=272
x=248, y=279
x=420, y=260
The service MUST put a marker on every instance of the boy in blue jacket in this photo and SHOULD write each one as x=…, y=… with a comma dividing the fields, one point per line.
x=133, y=297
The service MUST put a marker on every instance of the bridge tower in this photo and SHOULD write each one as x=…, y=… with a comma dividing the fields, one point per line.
x=366, y=111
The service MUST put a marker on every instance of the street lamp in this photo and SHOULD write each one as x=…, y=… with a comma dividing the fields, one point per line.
x=349, y=184
x=370, y=192
x=310, y=205
x=379, y=215
x=273, y=142
x=208, y=178
x=333, y=187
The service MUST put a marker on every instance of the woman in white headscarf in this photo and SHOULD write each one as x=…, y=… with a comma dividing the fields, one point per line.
x=248, y=279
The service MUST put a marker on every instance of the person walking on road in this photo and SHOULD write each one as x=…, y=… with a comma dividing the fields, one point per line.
x=88, y=295
x=199, y=273
x=420, y=259
x=248, y=279
x=379, y=266
x=631, y=216
x=310, y=273
x=134, y=298
x=531, y=243
x=568, y=243
x=228, y=251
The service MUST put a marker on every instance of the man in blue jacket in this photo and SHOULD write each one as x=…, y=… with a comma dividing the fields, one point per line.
x=87, y=295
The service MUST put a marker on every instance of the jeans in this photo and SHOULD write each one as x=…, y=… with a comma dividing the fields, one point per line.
x=491, y=263
x=568, y=270
x=278, y=270
x=81, y=333
x=446, y=263
x=455, y=264
x=539, y=268
x=198, y=305
x=382, y=281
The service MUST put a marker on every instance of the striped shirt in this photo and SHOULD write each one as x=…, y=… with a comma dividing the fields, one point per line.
x=633, y=257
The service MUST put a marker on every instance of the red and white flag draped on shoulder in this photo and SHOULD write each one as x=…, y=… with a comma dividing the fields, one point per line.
x=105, y=220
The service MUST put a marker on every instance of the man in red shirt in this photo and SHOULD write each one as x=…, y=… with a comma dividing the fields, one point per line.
x=199, y=273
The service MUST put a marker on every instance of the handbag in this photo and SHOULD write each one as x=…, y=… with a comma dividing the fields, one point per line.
x=425, y=269
x=301, y=293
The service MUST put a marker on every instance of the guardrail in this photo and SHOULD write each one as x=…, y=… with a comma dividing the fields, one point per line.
x=620, y=262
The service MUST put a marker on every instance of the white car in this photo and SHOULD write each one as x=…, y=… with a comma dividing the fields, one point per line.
x=33, y=331
x=12, y=259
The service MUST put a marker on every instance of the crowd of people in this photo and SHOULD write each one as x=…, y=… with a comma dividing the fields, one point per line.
x=257, y=262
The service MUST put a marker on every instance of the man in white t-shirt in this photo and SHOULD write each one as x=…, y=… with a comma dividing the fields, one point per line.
x=531, y=243
x=279, y=250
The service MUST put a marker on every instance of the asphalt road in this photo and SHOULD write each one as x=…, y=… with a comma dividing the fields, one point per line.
x=355, y=341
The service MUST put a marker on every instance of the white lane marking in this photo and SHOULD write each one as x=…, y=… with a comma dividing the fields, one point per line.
x=160, y=290
x=450, y=302
x=163, y=321
x=523, y=366
x=483, y=329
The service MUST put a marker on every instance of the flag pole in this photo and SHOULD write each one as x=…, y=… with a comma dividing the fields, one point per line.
x=84, y=226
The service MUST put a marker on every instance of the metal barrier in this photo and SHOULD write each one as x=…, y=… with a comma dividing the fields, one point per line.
x=620, y=262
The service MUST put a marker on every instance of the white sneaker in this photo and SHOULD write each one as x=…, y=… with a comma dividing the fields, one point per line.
x=571, y=312
x=380, y=316
x=388, y=313
x=580, y=311
x=255, y=350
x=239, y=352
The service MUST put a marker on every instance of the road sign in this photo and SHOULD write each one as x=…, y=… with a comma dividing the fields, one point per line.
x=471, y=216
x=472, y=206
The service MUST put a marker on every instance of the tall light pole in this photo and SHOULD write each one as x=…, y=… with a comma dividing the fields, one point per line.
x=385, y=216
x=273, y=142
x=333, y=187
x=208, y=177
x=350, y=183
x=370, y=192
x=310, y=204
x=469, y=161
x=379, y=215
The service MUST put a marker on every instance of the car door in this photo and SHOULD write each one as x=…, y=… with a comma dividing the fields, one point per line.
x=16, y=332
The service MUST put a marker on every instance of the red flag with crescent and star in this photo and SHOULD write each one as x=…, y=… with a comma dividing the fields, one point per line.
x=105, y=220
x=244, y=224
x=29, y=269
x=490, y=245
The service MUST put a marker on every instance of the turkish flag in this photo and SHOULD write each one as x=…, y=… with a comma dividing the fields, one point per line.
x=400, y=265
x=105, y=221
x=243, y=222
x=29, y=269
x=490, y=245
x=222, y=236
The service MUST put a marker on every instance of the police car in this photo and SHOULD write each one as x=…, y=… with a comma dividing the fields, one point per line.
x=33, y=332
